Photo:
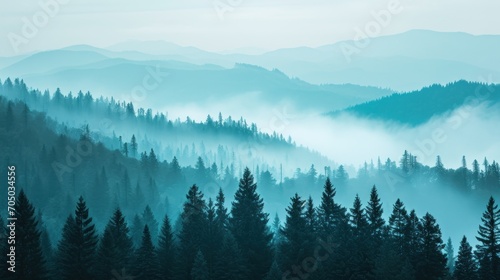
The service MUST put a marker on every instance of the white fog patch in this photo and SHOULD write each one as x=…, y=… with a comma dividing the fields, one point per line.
x=351, y=140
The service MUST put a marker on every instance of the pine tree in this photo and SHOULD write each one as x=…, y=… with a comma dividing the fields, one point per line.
x=125, y=149
x=46, y=245
x=66, y=250
x=311, y=217
x=133, y=146
x=166, y=250
x=465, y=266
x=374, y=213
x=30, y=264
x=153, y=162
x=362, y=259
x=149, y=219
x=221, y=216
x=115, y=248
x=146, y=263
x=397, y=223
x=294, y=233
x=450, y=256
x=175, y=172
x=412, y=238
x=193, y=231
x=328, y=211
x=201, y=171
x=248, y=224
x=489, y=237
x=341, y=176
x=214, y=236
x=333, y=225
x=311, y=226
x=358, y=218
x=432, y=261
x=200, y=269
x=78, y=245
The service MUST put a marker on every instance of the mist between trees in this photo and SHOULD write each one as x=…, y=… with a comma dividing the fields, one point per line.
x=57, y=163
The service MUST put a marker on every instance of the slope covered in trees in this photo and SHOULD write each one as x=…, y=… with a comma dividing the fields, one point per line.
x=57, y=167
x=119, y=125
x=417, y=107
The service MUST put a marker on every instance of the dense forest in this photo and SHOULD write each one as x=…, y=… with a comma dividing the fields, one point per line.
x=119, y=125
x=327, y=241
x=413, y=108
x=121, y=188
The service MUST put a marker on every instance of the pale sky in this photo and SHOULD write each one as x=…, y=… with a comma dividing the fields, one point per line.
x=261, y=24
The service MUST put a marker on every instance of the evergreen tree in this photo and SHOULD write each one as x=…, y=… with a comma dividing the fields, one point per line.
x=333, y=225
x=476, y=173
x=432, y=261
x=125, y=149
x=153, y=162
x=412, y=239
x=115, y=248
x=146, y=264
x=221, y=215
x=200, y=270
x=77, y=248
x=294, y=233
x=133, y=146
x=361, y=263
x=214, y=236
x=358, y=218
x=328, y=211
x=341, y=176
x=277, y=233
x=397, y=223
x=248, y=224
x=149, y=220
x=450, y=257
x=374, y=213
x=166, y=250
x=311, y=226
x=30, y=264
x=489, y=237
x=175, y=172
x=193, y=231
x=46, y=245
x=201, y=171
x=465, y=266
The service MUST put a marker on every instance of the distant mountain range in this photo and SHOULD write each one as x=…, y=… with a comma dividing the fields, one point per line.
x=418, y=107
x=401, y=62
x=173, y=82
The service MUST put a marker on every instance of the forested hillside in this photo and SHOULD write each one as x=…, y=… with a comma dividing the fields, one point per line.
x=417, y=107
x=118, y=125
x=199, y=235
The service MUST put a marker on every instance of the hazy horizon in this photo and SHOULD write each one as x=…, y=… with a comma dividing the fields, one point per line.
x=221, y=26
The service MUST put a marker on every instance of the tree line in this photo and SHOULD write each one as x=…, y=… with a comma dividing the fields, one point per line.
x=328, y=241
